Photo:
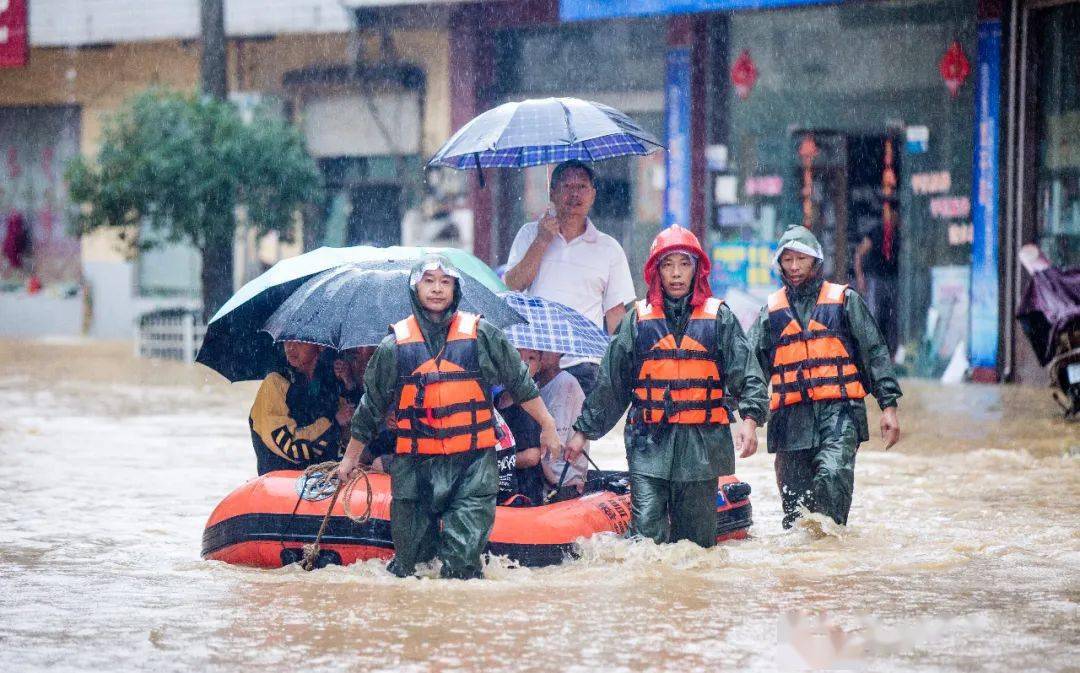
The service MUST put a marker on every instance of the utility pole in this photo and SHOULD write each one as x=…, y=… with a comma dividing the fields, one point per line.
x=213, y=73
x=217, y=255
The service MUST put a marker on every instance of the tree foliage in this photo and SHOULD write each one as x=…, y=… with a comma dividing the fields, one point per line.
x=181, y=164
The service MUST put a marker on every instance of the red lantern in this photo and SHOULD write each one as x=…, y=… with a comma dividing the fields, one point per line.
x=954, y=68
x=744, y=74
x=808, y=151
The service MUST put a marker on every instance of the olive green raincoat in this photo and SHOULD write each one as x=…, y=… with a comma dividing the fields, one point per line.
x=455, y=490
x=673, y=470
x=815, y=442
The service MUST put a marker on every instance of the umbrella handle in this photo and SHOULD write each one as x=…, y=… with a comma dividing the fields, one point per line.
x=479, y=168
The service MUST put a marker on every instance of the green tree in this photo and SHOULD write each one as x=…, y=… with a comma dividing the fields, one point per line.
x=180, y=165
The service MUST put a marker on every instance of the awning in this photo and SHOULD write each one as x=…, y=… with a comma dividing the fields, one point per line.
x=356, y=4
x=585, y=10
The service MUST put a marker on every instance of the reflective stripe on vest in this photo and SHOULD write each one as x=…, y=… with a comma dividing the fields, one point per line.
x=678, y=381
x=442, y=406
x=817, y=363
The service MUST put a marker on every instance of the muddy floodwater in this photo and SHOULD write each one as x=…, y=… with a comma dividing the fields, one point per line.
x=963, y=552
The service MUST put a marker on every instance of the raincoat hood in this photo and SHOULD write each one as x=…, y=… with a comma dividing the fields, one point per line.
x=417, y=272
x=799, y=239
x=677, y=239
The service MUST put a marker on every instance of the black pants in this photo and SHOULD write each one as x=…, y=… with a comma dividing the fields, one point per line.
x=823, y=478
x=669, y=511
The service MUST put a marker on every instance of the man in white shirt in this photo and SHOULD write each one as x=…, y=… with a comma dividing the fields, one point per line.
x=565, y=258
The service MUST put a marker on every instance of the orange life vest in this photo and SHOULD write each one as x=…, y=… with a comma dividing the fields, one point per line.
x=815, y=363
x=442, y=404
x=678, y=381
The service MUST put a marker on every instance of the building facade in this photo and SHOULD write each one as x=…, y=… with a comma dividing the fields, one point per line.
x=1042, y=190
x=875, y=123
x=370, y=104
x=940, y=133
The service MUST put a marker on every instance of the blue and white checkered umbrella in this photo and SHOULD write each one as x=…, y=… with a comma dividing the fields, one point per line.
x=544, y=131
x=553, y=327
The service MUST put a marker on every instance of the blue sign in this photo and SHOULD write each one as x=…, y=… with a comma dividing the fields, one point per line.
x=677, y=124
x=984, y=200
x=584, y=10
x=743, y=265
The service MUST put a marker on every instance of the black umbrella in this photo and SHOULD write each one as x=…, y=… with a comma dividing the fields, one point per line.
x=235, y=345
x=354, y=305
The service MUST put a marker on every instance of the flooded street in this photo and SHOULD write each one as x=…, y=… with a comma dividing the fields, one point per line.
x=963, y=553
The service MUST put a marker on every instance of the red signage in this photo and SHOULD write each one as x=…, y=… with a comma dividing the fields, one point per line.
x=954, y=67
x=14, y=36
x=743, y=74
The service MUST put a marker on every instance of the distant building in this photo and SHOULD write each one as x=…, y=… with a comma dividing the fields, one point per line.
x=371, y=104
x=960, y=116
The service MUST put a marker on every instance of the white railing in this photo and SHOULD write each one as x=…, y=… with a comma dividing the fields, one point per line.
x=170, y=335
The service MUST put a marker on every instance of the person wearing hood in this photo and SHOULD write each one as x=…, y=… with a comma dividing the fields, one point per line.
x=298, y=419
x=824, y=353
x=434, y=372
x=680, y=361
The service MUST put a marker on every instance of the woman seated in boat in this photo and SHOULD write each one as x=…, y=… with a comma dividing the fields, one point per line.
x=298, y=418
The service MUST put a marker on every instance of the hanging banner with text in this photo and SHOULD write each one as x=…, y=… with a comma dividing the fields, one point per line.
x=14, y=39
x=677, y=125
x=985, y=325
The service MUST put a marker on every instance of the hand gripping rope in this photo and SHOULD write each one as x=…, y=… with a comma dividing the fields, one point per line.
x=311, y=551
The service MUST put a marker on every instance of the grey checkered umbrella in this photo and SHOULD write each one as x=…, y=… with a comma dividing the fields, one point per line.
x=553, y=327
x=544, y=131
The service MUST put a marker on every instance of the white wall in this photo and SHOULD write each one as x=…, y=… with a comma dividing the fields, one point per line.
x=55, y=23
x=25, y=315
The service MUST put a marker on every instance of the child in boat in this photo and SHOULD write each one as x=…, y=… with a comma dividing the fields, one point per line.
x=824, y=353
x=298, y=418
x=518, y=453
x=521, y=480
x=678, y=360
x=435, y=371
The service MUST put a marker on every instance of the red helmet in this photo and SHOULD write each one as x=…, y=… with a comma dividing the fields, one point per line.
x=677, y=239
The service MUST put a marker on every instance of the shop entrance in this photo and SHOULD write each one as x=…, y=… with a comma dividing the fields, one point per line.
x=375, y=215
x=846, y=192
x=840, y=186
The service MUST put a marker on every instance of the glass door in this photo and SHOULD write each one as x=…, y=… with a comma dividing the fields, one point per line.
x=1055, y=39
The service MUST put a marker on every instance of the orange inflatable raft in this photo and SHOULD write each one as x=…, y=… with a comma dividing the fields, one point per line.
x=266, y=521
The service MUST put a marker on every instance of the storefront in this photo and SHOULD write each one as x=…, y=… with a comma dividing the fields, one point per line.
x=857, y=120
x=41, y=277
x=619, y=63
x=1043, y=153
x=875, y=123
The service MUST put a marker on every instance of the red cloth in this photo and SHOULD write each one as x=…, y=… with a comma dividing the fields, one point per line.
x=677, y=239
x=16, y=240
x=888, y=236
